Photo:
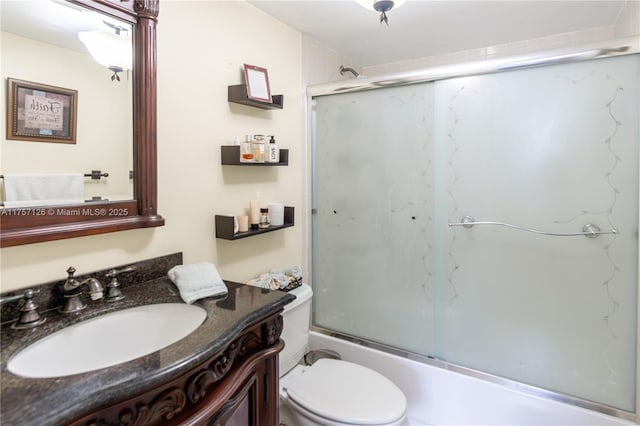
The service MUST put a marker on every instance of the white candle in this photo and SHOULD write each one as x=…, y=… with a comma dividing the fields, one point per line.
x=243, y=222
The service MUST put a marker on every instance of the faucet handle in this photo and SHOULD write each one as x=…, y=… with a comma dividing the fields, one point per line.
x=71, y=283
x=113, y=288
x=16, y=297
x=29, y=315
x=115, y=272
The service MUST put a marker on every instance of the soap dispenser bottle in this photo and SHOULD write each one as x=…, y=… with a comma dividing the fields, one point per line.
x=273, y=155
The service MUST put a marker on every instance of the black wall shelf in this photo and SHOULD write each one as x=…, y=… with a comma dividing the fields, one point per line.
x=238, y=94
x=230, y=156
x=224, y=226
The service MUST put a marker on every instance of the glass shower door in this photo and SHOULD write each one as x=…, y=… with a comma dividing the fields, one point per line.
x=552, y=149
x=549, y=149
x=373, y=226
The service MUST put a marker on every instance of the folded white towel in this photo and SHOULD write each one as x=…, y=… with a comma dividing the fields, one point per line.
x=197, y=280
x=23, y=187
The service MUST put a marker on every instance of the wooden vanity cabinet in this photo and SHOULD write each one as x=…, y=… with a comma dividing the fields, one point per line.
x=237, y=386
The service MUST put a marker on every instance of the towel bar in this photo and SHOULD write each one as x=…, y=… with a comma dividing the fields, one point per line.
x=94, y=175
x=589, y=230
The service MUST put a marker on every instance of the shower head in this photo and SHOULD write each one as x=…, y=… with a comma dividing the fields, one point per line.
x=343, y=69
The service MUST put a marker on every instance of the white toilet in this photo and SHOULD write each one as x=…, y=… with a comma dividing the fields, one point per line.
x=330, y=392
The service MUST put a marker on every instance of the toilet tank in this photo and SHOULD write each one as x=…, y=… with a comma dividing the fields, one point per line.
x=295, y=332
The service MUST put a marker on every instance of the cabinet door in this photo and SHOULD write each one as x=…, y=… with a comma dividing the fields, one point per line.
x=242, y=408
x=243, y=414
x=255, y=403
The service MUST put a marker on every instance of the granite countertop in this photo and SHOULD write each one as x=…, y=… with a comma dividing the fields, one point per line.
x=54, y=401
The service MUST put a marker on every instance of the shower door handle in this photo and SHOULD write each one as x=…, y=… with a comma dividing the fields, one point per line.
x=589, y=230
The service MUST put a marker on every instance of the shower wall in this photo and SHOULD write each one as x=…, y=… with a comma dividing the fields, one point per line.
x=552, y=149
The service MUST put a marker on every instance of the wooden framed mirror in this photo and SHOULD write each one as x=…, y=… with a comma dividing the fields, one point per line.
x=47, y=223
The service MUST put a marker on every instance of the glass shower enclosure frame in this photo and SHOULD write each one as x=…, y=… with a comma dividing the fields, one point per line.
x=484, y=217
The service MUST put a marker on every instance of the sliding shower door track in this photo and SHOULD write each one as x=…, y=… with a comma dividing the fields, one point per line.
x=596, y=50
x=507, y=383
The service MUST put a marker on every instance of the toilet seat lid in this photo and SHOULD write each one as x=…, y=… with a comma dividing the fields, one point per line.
x=347, y=393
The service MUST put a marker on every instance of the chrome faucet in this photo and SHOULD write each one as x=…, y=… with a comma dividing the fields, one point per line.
x=29, y=316
x=73, y=290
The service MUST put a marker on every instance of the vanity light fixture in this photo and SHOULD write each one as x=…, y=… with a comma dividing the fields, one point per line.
x=111, y=49
x=382, y=6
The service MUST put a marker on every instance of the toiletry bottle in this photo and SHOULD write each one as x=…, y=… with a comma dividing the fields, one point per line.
x=254, y=214
x=246, y=150
x=258, y=148
x=264, y=218
x=273, y=153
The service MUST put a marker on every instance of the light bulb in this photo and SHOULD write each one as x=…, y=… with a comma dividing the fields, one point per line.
x=368, y=4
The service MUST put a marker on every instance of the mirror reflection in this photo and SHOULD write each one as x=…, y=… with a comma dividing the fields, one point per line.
x=48, y=43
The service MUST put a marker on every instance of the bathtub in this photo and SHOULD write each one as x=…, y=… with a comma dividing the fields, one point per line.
x=442, y=397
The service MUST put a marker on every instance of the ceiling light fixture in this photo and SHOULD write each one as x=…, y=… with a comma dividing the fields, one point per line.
x=382, y=6
x=111, y=49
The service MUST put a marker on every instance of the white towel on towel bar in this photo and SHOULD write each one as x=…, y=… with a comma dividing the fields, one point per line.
x=53, y=186
x=42, y=203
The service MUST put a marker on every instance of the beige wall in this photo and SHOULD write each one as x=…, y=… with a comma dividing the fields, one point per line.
x=201, y=49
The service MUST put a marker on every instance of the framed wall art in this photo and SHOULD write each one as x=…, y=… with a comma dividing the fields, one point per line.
x=257, y=81
x=40, y=112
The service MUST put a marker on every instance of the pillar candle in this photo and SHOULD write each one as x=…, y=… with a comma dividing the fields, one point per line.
x=243, y=223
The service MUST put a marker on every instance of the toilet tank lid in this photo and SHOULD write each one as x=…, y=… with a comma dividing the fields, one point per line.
x=302, y=294
x=347, y=393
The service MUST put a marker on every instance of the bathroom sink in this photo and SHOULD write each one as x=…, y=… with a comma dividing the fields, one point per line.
x=107, y=340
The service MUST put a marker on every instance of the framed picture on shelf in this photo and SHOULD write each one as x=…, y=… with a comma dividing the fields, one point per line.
x=41, y=113
x=257, y=81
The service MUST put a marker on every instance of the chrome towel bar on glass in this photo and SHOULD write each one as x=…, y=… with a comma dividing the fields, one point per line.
x=589, y=230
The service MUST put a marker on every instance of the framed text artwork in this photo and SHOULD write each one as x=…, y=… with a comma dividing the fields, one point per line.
x=41, y=113
x=257, y=83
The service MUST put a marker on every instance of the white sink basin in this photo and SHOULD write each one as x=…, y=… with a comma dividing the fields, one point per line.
x=107, y=340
